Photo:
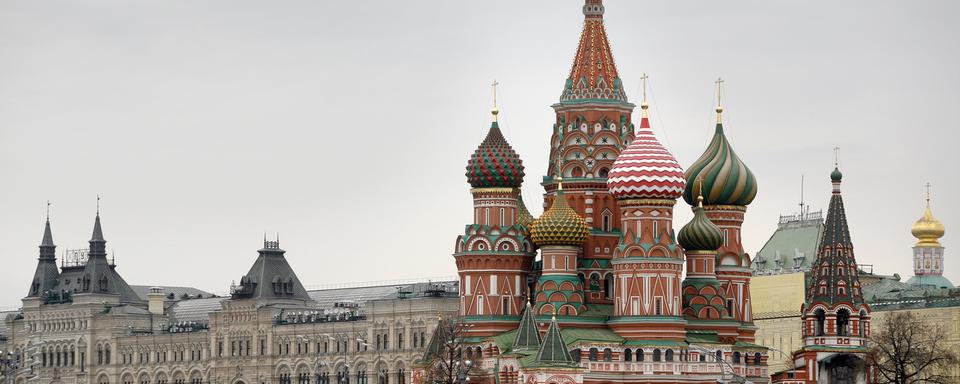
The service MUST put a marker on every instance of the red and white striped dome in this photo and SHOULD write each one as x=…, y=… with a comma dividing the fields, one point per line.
x=645, y=169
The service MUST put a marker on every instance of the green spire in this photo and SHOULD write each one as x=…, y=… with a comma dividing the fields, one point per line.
x=528, y=336
x=554, y=349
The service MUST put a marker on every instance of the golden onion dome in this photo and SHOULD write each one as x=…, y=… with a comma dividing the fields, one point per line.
x=928, y=230
x=524, y=217
x=559, y=225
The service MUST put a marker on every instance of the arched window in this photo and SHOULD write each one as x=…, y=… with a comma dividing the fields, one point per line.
x=608, y=286
x=627, y=354
x=719, y=356
x=756, y=358
x=669, y=355
x=638, y=354
x=401, y=376
x=607, y=354
x=604, y=172
x=862, y=324
x=576, y=172
x=821, y=317
x=843, y=322
x=593, y=354
x=736, y=357
x=656, y=355
x=503, y=218
x=703, y=357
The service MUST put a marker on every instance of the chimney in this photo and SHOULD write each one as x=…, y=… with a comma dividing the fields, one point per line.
x=155, y=300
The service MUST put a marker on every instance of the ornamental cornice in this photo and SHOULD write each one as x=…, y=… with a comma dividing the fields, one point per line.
x=647, y=203
x=734, y=208
x=492, y=190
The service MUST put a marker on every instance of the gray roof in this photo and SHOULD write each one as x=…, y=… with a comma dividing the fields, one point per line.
x=194, y=309
x=795, y=239
x=143, y=290
x=3, y=321
x=270, y=277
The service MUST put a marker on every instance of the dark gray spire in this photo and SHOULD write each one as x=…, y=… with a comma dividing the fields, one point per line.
x=528, y=336
x=99, y=275
x=47, y=275
x=554, y=349
x=98, y=246
x=47, y=236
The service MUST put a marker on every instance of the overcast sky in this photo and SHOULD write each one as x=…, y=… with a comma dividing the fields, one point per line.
x=345, y=126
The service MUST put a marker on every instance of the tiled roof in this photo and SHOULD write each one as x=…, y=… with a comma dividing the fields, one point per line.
x=143, y=290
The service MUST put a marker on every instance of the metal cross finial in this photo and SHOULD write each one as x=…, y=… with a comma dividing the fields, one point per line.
x=98, y=204
x=643, y=79
x=48, y=209
x=928, y=194
x=719, y=84
x=559, y=170
x=836, y=156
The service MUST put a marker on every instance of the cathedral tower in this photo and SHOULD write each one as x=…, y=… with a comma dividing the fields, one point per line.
x=928, y=252
x=592, y=126
x=646, y=180
x=494, y=256
x=559, y=233
x=836, y=320
x=727, y=187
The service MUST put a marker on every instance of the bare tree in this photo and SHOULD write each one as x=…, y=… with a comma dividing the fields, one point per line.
x=905, y=349
x=448, y=359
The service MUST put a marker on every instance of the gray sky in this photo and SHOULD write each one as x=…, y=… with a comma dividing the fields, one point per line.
x=345, y=126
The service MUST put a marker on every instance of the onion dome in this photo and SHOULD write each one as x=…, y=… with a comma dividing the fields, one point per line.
x=559, y=225
x=645, y=169
x=928, y=230
x=722, y=176
x=836, y=175
x=524, y=217
x=495, y=164
x=700, y=234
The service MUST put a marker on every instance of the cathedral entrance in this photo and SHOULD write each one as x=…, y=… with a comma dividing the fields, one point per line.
x=844, y=369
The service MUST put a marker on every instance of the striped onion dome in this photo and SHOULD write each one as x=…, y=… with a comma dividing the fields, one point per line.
x=724, y=178
x=559, y=225
x=645, y=169
x=495, y=164
x=700, y=234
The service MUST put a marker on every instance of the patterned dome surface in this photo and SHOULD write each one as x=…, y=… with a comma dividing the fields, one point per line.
x=700, y=234
x=495, y=164
x=524, y=217
x=723, y=177
x=559, y=225
x=645, y=169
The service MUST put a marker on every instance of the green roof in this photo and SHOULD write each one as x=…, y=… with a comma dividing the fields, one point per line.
x=793, y=237
x=602, y=335
x=554, y=351
x=655, y=343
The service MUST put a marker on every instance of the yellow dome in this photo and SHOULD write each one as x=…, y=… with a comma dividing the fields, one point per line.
x=927, y=230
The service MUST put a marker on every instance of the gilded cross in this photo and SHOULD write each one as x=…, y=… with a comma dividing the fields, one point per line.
x=494, y=85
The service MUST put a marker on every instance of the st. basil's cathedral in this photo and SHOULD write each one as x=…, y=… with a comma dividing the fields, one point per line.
x=607, y=301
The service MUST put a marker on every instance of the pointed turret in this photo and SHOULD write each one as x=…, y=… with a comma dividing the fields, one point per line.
x=553, y=351
x=47, y=275
x=834, y=275
x=99, y=274
x=528, y=336
x=593, y=75
x=928, y=252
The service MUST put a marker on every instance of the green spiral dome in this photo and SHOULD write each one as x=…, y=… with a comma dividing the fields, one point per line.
x=559, y=225
x=700, y=234
x=724, y=178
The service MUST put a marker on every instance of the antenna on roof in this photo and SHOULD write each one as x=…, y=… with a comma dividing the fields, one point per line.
x=801, y=196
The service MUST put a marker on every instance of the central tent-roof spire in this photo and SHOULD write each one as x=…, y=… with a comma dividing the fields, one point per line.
x=594, y=73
